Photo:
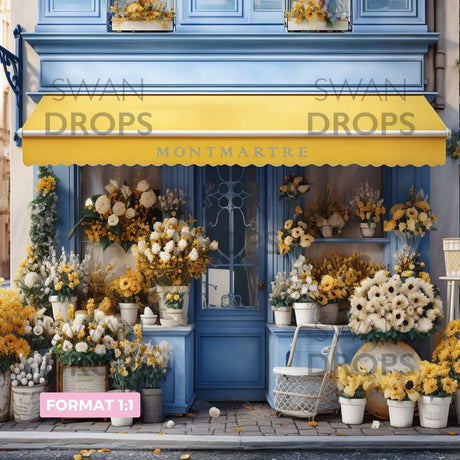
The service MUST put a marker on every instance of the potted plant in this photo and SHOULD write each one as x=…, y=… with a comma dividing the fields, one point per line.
x=367, y=207
x=143, y=15
x=354, y=385
x=130, y=291
x=14, y=317
x=125, y=369
x=436, y=394
x=294, y=234
x=39, y=331
x=83, y=346
x=174, y=304
x=448, y=352
x=174, y=253
x=411, y=220
x=328, y=215
x=303, y=292
x=401, y=391
x=280, y=300
x=153, y=367
x=331, y=292
x=29, y=378
x=67, y=278
x=172, y=204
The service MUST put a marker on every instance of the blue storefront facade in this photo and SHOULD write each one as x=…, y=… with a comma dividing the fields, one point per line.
x=238, y=48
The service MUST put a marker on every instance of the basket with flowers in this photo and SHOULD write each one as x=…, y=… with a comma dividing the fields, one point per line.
x=411, y=220
x=392, y=308
x=123, y=215
x=328, y=215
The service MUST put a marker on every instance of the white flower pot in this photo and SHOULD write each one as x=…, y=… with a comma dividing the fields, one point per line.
x=283, y=315
x=367, y=230
x=60, y=308
x=305, y=312
x=163, y=290
x=401, y=413
x=457, y=405
x=328, y=314
x=352, y=410
x=129, y=312
x=326, y=231
x=433, y=411
x=177, y=315
x=26, y=402
x=121, y=421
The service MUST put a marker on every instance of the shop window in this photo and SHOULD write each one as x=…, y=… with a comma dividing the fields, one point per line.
x=389, y=5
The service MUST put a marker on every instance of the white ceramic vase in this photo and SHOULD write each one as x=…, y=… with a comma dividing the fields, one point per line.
x=121, y=421
x=128, y=312
x=367, y=229
x=352, y=410
x=283, y=315
x=328, y=314
x=401, y=413
x=433, y=411
x=60, y=308
x=305, y=312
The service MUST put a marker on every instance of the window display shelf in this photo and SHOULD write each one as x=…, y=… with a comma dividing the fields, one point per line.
x=352, y=240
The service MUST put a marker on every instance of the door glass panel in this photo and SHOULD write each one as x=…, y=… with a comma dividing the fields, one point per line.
x=268, y=5
x=399, y=5
x=230, y=213
x=215, y=5
x=72, y=5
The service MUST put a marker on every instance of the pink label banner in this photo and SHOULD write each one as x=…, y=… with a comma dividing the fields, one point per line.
x=90, y=405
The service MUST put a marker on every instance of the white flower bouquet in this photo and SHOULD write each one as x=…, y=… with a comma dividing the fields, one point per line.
x=174, y=253
x=31, y=371
x=279, y=297
x=87, y=339
x=393, y=308
x=302, y=287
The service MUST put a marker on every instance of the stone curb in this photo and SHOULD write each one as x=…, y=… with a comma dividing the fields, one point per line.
x=128, y=441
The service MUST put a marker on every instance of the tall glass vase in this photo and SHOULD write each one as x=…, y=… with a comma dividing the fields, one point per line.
x=410, y=239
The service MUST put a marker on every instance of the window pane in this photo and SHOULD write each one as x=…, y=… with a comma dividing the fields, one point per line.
x=72, y=5
x=402, y=5
x=215, y=5
x=265, y=5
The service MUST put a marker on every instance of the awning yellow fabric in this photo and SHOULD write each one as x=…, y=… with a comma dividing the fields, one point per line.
x=234, y=129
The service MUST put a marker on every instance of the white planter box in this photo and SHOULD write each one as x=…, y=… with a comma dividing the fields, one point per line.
x=128, y=25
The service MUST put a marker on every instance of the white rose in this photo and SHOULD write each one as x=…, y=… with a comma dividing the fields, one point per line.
x=142, y=185
x=100, y=349
x=130, y=213
x=28, y=330
x=102, y=204
x=182, y=244
x=99, y=316
x=126, y=191
x=88, y=202
x=113, y=323
x=113, y=220
x=155, y=235
x=111, y=186
x=170, y=232
x=213, y=245
x=165, y=257
x=156, y=248
x=193, y=255
x=148, y=199
x=66, y=346
x=119, y=208
x=55, y=339
x=96, y=334
x=81, y=347
x=157, y=226
x=169, y=246
x=108, y=342
x=67, y=330
x=31, y=279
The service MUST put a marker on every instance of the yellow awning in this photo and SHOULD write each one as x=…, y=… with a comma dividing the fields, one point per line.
x=234, y=129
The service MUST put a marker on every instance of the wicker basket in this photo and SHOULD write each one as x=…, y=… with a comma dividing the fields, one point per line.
x=451, y=248
x=305, y=391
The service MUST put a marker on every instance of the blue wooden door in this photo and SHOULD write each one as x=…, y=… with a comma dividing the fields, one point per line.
x=230, y=313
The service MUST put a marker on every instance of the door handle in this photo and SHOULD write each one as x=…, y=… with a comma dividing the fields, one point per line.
x=261, y=286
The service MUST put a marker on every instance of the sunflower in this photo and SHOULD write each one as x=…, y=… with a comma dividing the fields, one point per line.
x=430, y=386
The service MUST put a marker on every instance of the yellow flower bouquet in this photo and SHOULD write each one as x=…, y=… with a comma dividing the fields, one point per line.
x=174, y=253
x=143, y=10
x=14, y=318
x=411, y=220
x=436, y=380
x=294, y=233
x=130, y=287
x=367, y=205
x=448, y=350
x=353, y=383
x=399, y=386
x=294, y=186
x=174, y=299
x=331, y=290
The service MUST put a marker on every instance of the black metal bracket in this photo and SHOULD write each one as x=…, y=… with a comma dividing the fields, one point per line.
x=12, y=65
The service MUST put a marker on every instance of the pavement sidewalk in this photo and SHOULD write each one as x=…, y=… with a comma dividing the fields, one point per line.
x=241, y=425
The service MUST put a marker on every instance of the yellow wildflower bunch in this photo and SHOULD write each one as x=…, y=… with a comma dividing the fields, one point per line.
x=448, y=350
x=294, y=233
x=310, y=10
x=144, y=10
x=331, y=290
x=174, y=299
x=46, y=185
x=174, y=253
x=14, y=317
x=399, y=386
x=353, y=383
x=130, y=287
x=436, y=380
x=415, y=217
x=367, y=205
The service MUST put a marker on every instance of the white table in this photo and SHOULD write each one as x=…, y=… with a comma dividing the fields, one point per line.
x=453, y=282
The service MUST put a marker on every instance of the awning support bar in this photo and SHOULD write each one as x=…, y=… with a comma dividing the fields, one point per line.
x=15, y=76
